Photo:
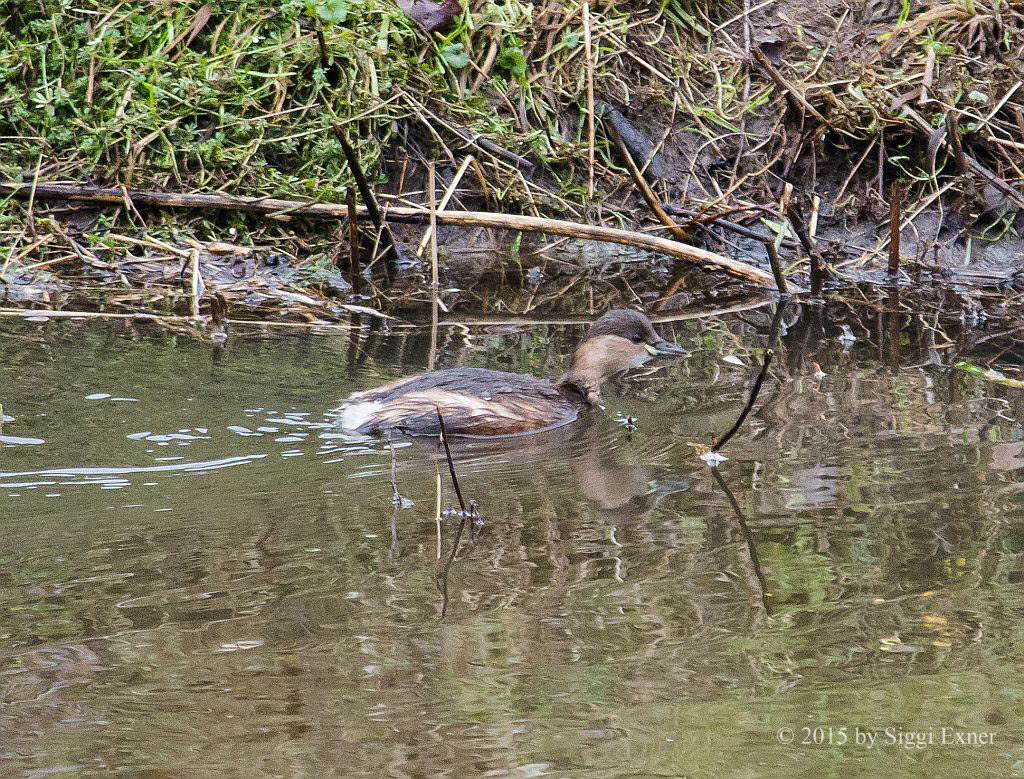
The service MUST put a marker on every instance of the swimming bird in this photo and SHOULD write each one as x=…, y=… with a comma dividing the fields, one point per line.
x=483, y=403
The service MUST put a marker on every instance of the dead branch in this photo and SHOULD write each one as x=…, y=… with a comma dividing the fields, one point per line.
x=292, y=208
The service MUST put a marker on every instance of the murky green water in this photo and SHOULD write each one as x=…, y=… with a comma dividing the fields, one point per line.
x=197, y=576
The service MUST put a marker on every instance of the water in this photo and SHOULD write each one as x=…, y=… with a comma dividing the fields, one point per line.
x=198, y=575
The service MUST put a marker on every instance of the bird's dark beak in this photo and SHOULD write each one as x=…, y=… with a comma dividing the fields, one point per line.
x=665, y=348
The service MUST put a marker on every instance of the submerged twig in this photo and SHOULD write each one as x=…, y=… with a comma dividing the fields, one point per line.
x=442, y=577
x=717, y=446
x=437, y=508
x=465, y=516
x=448, y=455
x=748, y=538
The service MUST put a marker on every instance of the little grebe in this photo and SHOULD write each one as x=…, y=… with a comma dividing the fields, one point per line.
x=477, y=402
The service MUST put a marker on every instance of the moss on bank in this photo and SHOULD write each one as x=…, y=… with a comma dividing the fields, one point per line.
x=173, y=95
x=241, y=96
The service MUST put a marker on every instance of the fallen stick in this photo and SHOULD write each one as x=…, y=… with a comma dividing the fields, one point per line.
x=529, y=224
x=497, y=321
x=29, y=313
x=54, y=314
x=397, y=324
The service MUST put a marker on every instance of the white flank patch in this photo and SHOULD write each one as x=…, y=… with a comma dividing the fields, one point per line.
x=353, y=416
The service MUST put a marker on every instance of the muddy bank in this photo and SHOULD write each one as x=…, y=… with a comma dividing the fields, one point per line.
x=878, y=144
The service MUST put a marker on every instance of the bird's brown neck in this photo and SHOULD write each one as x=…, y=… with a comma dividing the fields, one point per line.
x=594, y=360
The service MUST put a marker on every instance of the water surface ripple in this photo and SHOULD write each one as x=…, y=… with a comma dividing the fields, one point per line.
x=200, y=574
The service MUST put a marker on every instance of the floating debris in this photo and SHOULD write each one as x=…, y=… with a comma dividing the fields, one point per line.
x=627, y=422
x=713, y=458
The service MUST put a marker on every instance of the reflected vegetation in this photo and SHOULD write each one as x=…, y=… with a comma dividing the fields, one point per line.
x=199, y=574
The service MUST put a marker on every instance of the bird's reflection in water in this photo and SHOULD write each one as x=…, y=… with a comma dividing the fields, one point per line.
x=601, y=460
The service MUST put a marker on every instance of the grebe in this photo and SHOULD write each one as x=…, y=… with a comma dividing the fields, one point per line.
x=481, y=403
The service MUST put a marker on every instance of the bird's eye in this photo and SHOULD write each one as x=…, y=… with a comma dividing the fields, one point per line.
x=638, y=339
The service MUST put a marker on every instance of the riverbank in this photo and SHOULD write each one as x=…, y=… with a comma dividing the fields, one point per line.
x=809, y=131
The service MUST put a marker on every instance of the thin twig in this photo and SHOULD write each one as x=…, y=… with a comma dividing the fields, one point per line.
x=750, y=402
x=793, y=95
x=32, y=198
x=369, y=201
x=197, y=283
x=437, y=509
x=895, y=207
x=355, y=274
x=773, y=260
x=435, y=286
